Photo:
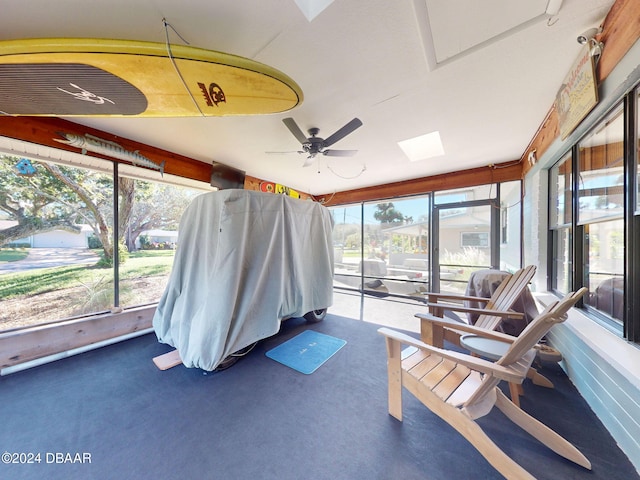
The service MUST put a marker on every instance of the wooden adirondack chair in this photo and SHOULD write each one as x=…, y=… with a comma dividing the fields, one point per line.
x=461, y=388
x=496, y=308
x=434, y=331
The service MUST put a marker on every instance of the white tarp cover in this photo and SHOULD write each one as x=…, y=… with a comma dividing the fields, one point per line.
x=245, y=260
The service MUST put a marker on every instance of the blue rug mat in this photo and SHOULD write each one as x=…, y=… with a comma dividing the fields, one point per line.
x=307, y=351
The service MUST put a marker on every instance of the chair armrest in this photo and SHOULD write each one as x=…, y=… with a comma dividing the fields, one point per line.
x=474, y=363
x=479, y=311
x=464, y=327
x=455, y=296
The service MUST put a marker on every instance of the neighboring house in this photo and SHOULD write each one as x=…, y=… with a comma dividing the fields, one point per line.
x=159, y=236
x=65, y=239
x=457, y=232
x=54, y=238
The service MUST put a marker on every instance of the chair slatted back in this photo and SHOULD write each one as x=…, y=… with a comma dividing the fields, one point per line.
x=521, y=349
x=505, y=296
x=538, y=328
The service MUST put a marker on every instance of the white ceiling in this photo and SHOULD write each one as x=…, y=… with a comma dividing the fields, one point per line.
x=482, y=73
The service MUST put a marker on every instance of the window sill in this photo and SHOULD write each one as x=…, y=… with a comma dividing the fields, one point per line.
x=622, y=355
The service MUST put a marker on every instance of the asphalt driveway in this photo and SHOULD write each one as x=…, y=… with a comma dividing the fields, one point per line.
x=50, y=257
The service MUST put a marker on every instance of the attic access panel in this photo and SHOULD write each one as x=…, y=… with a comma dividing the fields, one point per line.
x=452, y=28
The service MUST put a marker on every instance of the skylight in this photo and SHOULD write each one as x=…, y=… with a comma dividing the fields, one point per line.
x=312, y=8
x=423, y=147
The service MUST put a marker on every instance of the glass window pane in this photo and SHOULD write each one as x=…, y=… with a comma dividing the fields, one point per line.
x=150, y=233
x=56, y=244
x=392, y=258
x=480, y=192
x=510, y=226
x=638, y=157
x=601, y=174
x=464, y=244
x=562, y=263
x=561, y=188
x=604, y=244
x=347, y=245
x=396, y=246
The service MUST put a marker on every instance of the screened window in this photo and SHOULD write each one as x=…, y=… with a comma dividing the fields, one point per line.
x=601, y=171
x=560, y=221
x=510, y=226
x=384, y=248
x=55, y=241
x=600, y=213
x=587, y=219
x=57, y=244
x=604, y=244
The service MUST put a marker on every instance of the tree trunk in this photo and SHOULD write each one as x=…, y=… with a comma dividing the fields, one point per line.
x=126, y=190
x=101, y=228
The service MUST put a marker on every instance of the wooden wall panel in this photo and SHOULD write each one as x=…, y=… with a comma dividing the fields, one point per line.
x=31, y=343
x=620, y=30
x=447, y=181
x=43, y=131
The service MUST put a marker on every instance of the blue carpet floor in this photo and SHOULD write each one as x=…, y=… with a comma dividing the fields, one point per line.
x=259, y=420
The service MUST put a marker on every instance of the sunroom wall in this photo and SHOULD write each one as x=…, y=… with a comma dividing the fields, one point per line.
x=604, y=367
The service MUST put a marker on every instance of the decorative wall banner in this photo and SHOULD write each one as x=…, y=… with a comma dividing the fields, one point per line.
x=278, y=189
x=578, y=94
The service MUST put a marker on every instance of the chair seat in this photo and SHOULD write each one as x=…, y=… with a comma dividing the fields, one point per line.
x=451, y=382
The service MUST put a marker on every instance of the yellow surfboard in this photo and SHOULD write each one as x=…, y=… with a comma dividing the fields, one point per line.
x=100, y=77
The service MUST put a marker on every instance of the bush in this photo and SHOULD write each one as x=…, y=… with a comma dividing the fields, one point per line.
x=17, y=245
x=123, y=256
x=144, y=242
x=152, y=245
x=93, y=242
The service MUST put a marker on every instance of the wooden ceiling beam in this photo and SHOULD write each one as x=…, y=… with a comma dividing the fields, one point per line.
x=447, y=181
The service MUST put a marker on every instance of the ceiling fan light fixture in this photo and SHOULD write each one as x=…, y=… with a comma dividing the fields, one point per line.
x=422, y=147
x=315, y=145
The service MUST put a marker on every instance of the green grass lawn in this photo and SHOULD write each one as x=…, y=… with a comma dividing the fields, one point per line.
x=32, y=282
x=12, y=255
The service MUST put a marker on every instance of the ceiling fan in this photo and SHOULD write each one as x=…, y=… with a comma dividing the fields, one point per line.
x=315, y=145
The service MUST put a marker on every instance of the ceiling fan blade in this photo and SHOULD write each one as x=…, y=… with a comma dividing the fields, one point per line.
x=340, y=153
x=343, y=132
x=295, y=129
x=284, y=153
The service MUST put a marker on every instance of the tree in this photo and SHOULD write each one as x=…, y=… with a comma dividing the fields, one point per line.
x=59, y=197
x=156, y=206
x=38, y=204
x=387, y=213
